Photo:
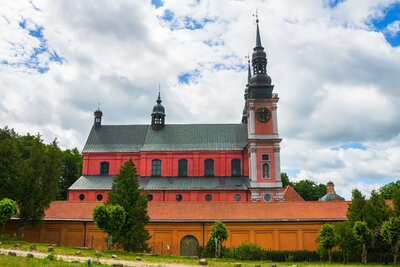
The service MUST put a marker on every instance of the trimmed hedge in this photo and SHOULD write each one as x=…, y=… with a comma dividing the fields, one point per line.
x=250, y=251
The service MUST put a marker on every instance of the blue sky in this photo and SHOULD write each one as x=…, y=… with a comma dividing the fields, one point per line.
x=334, y=65
x=391, y=14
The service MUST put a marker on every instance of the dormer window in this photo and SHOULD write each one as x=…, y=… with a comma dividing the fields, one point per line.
x=104, y=168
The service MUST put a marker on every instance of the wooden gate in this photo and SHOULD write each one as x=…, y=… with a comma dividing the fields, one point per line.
x=189, y=246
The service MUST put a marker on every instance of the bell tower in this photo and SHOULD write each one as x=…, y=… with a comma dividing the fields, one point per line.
x=158, y=114
x=263, y=138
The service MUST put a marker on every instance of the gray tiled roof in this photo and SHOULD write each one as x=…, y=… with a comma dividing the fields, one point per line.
x=95, y=182
x=131, y=138
x=116, y=138
x=166, y=183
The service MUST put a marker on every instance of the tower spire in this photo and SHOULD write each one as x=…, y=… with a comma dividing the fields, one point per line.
x=158, y=114
x=258, y=38
x=260, y=83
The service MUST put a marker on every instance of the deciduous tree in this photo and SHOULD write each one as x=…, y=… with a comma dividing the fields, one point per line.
x=285, y=179
x=125, y=192
x=309, y=190
x=345, y=240
x=364, y=236
x=71, y=168
x=110, y=219
x=327, y=239
x=357, y=208
x=391, y=234
x=8, y=208
x=389, y=189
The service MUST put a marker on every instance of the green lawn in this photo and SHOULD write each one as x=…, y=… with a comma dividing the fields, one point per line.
x=32, y=262
x=151, y=259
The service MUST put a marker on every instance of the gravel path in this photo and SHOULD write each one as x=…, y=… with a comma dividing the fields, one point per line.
x=41, y=255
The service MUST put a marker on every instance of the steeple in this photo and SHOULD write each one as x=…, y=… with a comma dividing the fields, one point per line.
x=97, y=118
x=260, y=83
x=246, y=91
x=158, y=114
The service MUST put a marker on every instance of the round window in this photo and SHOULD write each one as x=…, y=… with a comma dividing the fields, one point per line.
x=267, y=197
x=178, y=197
x=238, y=197
x=149, y=197
x=208, y=197
x=81, y=197
x=99, y=197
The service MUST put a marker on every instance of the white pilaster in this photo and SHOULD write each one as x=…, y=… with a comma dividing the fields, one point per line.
x=274, y=118
x=277, y=162
x=252, y=128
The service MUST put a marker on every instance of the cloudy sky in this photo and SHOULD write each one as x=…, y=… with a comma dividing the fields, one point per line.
x=334, y=64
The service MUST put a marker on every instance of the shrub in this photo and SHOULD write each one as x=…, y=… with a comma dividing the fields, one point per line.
x=248, y=251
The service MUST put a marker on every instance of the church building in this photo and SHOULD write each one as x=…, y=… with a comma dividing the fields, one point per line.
x=193, y=175
x=194, y=162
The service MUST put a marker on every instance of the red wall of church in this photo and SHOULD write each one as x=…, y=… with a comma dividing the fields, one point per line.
x=142, y=160
x=187, y=195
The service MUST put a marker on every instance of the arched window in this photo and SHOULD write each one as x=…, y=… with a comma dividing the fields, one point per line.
x=266, y=171
x=209, y=167
x=104, y=167
x=182, y=167
x=235, y=167
x=156, y=167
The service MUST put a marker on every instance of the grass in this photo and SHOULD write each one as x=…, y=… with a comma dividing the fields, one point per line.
x=151, y=259
x=33, y=262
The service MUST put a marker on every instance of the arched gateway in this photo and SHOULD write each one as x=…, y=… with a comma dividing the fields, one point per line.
x=189, y=246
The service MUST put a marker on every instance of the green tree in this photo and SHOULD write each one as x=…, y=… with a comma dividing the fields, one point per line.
x=396, y=202
x=10, y=163
x=364, y=236
x=345, y=240
x=309, y=190
x=327, y=239
x=377, y=212
x=391, y=234
x=358, y=207
x=125, y=192
x=38, y=185
x=387, y=190
x=285, y=179
x=218, y=235
x=8, y=208
x=110, y=219
x=71, y=168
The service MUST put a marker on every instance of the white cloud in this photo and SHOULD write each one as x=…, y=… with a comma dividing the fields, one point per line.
x=337, y=79
x=393, y=28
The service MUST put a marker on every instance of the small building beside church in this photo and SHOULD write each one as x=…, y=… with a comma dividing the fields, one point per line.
x=193, y=175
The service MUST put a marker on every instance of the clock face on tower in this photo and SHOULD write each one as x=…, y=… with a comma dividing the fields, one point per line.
x=263, y=114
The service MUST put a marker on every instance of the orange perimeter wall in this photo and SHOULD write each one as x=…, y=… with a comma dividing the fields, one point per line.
x=166, y=237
